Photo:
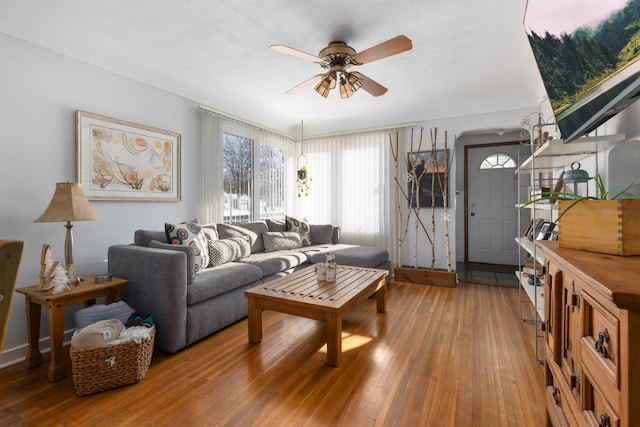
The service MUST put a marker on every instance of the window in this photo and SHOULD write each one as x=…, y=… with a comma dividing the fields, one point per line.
x=253, y=168
x=237, y=171
x=498, y=161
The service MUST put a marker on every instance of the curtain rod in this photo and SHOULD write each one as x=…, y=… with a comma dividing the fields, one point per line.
x=229, y=116
x=350, y=132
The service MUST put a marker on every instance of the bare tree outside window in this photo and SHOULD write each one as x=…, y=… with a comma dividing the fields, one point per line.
x=237, y=166
x=240, y=197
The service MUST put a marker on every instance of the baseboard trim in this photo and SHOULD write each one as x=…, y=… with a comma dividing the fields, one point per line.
x=18, y=354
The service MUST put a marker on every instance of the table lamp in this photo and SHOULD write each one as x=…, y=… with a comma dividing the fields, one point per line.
x=68, y=203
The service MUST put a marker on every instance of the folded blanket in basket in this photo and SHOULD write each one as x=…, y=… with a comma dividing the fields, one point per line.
x=98, y=334
x=118, y=310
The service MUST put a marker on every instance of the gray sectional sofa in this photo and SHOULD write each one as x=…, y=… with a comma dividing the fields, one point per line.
x=188, y=305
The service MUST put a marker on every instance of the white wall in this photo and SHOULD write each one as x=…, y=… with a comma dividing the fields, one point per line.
x=40, y=92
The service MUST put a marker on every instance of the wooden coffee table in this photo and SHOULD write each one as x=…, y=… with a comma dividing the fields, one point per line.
x=302, y=294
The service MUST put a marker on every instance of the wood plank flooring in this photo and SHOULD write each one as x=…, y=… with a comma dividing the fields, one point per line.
x=438, y=357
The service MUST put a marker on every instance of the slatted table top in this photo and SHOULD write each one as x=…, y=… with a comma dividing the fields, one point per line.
x=304, y=289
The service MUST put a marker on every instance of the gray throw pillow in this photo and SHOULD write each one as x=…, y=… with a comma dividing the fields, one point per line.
x=321, y=234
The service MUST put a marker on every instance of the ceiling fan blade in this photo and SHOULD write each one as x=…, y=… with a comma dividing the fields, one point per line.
x=280, y=48
x=371, y=86
x=305, y=84
x=390, y=47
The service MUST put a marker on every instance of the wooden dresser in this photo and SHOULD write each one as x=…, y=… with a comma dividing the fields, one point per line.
x=592, y=338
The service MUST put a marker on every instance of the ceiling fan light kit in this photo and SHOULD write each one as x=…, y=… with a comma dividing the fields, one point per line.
x=338, y=58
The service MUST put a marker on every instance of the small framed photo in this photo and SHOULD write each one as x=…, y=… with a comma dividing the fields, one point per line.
x=119, y=160
x=546, y=231
x=429, y=183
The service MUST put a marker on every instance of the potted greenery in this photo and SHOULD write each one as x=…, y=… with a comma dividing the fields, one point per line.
x=303, y=181
x=607, y=223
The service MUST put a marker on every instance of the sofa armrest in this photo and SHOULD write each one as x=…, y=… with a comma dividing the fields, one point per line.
x=157, y=286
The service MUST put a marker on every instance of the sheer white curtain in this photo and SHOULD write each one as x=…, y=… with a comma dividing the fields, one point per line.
x=352, y=186
x=212, y=168
x=269, y=186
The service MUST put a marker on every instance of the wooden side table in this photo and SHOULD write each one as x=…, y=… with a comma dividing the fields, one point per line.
x=86, y=292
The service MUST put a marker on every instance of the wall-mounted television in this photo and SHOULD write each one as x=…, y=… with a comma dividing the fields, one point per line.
x=588, y=54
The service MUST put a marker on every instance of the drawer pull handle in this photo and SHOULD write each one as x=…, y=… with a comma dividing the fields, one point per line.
x=556, y=395
x=605, y=421
x=603, y=338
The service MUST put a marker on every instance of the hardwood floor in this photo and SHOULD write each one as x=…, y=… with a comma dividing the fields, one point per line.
x=438, y=357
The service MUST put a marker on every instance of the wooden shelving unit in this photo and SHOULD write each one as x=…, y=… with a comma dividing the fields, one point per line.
x=552, y=156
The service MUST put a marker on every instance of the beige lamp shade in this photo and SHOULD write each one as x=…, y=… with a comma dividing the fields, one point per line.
x=68, y=204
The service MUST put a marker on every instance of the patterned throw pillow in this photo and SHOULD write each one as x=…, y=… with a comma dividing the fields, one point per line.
x=279, y=240
x=227, y=250
x=189, y=233
x=301, y=227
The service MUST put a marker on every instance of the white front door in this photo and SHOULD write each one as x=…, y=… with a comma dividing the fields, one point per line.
x=492, y=216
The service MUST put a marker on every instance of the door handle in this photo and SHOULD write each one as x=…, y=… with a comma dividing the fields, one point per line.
x=472, y=214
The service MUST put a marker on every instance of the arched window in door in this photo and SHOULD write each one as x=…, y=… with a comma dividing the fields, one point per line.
x=498, y=161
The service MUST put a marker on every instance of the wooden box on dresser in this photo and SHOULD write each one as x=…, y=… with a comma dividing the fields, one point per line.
x=592, y=338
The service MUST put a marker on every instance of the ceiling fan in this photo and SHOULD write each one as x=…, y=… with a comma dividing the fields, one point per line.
x=338, y=58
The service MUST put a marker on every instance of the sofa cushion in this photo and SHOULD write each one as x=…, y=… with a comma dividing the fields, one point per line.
x=276, y=224
x=275, y=262
x=355, y=255
x=226, y=250
x=210, y=231
x=252, y=229
x=223, y=278
x=321, y=234
x=143, y=237
x=280, y=240
x=301, y=227
x=188, y=250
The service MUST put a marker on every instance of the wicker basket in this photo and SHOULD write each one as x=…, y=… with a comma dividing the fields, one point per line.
x=97, y=369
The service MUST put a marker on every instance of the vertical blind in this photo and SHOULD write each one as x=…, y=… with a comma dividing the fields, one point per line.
x=352, y=186
x=267, y=189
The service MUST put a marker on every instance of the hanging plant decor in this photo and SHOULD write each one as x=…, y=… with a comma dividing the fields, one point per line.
x=303, y=181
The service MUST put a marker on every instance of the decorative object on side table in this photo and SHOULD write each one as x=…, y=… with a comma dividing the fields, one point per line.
x=68, y=204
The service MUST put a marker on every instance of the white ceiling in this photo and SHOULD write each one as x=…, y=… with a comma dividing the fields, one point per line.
x=469, y=57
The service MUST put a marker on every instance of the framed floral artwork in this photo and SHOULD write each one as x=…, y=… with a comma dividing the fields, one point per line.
x=119, y=160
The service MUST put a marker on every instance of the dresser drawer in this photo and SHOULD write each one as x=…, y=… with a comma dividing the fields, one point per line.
x=600, y=344
x=596, y=409
x=553, y=311
x=561, y=406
